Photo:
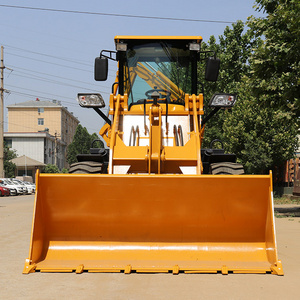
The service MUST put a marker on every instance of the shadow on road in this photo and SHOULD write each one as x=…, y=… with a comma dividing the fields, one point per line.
x=288, y=211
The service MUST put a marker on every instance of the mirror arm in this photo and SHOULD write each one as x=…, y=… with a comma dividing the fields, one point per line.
x=110, y=56
x=102, y=115
x=210, y=115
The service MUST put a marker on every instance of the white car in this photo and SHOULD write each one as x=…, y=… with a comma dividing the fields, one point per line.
x=26, y=189
x=20, y=185
x=30, y=186
x=9, y=184
x=12, y=191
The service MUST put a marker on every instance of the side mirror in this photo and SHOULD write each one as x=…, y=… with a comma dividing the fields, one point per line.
x=101, y=68
x=212, y=69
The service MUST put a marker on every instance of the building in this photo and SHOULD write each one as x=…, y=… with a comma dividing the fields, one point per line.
x=40, y=146
x=41, y=130
x=37, y=116
x=26, y=167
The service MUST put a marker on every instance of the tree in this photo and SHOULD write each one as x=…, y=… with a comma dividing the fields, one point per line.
x=9, y=167
x=98, y=144
x=49, y=168
x=81, y=144
x=262, y=128
x=262, y=137
x=234, y=50
x=276, y=62
x=64, y=171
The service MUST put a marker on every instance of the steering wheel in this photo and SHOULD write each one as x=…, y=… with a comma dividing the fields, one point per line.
x=148, y=93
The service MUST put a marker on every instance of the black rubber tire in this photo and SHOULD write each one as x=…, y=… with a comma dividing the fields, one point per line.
x=86, y=167
x=226, y=168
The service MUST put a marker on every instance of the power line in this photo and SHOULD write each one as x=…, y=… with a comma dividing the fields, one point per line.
x=27, y=127
x=38, y=95
x=29, y=76
x=51, y=75
x=113, y=15
x=48, y=55
x=47, y=62
x=34, y=129
x=18, y=29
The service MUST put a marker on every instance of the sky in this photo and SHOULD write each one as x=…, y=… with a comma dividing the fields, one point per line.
x=50, y=54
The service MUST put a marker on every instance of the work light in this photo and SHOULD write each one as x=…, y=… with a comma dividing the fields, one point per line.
x=90, y=100
x=222, y=100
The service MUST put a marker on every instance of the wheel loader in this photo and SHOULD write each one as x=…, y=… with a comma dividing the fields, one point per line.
x=161, y=203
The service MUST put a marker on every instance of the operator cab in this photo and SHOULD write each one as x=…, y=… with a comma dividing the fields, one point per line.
x=164, y=65
x=157, y=70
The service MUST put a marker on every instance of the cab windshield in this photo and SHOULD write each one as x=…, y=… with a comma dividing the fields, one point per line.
x=164, y=66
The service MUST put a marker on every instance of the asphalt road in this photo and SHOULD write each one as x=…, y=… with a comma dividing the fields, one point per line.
x=15, y=227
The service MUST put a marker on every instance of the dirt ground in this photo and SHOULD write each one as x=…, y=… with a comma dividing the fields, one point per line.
x=15, y=227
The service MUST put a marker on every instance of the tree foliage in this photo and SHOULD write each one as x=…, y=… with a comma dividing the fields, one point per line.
x=81, y=144
x=262, y=137
x=9, y=167
x=261, y=65
x=49, y=168
x=276, y=62
x=234, y=50
x=64, y=171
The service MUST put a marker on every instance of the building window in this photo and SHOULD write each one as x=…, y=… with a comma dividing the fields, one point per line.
x=40, y=121
x=8, y=143
x=40, y=109
x=24, y=172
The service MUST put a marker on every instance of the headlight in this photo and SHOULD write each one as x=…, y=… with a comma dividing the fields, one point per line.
x=90, y=100
x=121, y=47
x=222, y=100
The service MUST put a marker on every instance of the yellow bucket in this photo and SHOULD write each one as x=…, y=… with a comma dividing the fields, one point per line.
x=153, y=223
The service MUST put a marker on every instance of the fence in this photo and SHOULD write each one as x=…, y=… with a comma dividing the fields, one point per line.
x=292, y=175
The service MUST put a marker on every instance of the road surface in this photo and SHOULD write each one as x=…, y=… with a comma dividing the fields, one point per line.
x=15, y=227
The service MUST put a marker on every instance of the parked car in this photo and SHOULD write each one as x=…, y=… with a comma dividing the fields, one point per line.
x=30, y=186
x=9, y=184
x=12, y=191
x=4, y=191
x=20, y=184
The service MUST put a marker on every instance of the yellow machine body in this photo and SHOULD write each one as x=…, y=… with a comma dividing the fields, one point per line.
x=155, y=210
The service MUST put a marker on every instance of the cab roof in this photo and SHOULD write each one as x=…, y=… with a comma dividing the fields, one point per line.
x=124, y=38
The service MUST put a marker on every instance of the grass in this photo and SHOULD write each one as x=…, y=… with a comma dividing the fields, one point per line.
x=286, y=213
x=286, y=200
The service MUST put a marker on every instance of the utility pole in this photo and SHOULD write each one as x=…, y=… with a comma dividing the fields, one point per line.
x=55, y=147
x=2, y=115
